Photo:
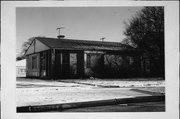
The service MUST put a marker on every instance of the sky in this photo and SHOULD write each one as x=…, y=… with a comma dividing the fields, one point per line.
x=82, y=23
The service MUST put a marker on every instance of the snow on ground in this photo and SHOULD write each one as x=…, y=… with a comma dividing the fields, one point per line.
x=41, y=92
x=121, y=82
x=42, y=96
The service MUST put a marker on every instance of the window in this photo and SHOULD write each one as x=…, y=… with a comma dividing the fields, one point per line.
x=131, y=60
x=73, y=64
x=43, y=61
x=34, y=62
x=28, y=63
x=147, y=65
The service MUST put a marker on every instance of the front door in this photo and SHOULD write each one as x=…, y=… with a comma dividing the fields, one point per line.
x=62, y=64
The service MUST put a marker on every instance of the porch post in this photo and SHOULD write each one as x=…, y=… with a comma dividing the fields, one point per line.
x=53, y=64
x=80, y=64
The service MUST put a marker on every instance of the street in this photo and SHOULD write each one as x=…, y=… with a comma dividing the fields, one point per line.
x=135, y=107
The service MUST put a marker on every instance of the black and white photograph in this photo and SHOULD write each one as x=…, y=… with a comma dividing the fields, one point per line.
x=91, y=59
x=108, y=59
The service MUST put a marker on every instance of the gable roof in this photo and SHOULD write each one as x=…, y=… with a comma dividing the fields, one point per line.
x=72, y=44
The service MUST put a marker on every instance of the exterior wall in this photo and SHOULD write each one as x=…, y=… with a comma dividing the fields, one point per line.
x=68, y=64
x=54, y=63
x=73, y=64
x=102, y=65
x=122, y=66
x=36, y=47
x=94, y=63
x=30, y=49
x=79, y=64
x=61, y=67
x=33, y=71
x=40, y=46
x=45, y=64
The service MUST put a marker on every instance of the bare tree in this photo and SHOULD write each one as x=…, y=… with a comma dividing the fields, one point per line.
x=145, y=31
x=25, y=47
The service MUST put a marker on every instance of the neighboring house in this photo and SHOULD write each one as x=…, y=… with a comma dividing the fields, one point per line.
x=68, y=58
x=21, y=68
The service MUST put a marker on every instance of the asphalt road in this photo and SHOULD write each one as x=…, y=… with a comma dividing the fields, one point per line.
x=135, y=107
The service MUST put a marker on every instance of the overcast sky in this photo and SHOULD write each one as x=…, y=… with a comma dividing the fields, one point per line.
x=83, y=23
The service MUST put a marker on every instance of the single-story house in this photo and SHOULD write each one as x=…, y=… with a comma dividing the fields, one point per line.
x=55, y=58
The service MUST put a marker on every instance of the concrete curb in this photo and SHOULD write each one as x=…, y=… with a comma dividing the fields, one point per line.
x=60, y=107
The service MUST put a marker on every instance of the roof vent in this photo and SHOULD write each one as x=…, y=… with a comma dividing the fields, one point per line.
x=60, y=36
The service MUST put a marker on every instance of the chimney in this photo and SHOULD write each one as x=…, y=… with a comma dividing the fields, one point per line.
x=60, y=36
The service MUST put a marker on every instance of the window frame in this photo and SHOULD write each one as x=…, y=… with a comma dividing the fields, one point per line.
x=34, y=62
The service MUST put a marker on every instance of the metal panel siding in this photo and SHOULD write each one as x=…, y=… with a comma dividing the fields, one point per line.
x=80, y=64
x=65, y=64
x=73, y=64
x=36, y=46
x=44, y=64
x=39, y=46
x=32, y=72
x=30, y=49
